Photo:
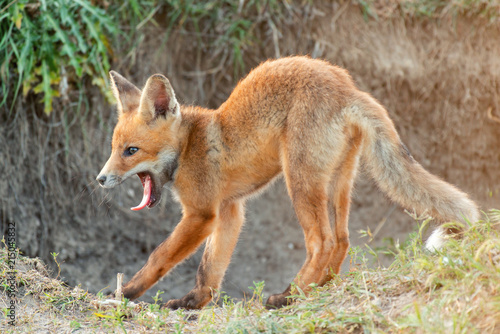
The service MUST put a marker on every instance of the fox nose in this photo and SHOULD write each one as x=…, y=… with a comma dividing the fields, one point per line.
x=101, y=179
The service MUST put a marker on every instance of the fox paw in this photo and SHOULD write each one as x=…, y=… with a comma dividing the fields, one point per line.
x=191, y=301
x=278, y=301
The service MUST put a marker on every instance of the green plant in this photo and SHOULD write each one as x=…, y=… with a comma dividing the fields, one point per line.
x=224, y=26
x=75, y=325
x=454, y=290
x=54, y=256
x=48, y=46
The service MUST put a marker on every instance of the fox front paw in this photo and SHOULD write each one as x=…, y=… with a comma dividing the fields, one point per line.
x=278, y=300
x=191, y=301
x=132, y=291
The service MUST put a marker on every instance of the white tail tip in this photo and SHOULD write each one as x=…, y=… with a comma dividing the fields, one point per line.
x=436, y=240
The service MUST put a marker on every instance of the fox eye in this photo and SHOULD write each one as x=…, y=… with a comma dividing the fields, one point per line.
x=130, y=151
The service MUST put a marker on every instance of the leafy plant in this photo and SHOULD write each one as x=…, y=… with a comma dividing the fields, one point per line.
x=48, y=46
x=224, y=26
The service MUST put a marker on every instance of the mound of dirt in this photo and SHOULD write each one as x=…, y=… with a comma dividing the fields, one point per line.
x=438, y=79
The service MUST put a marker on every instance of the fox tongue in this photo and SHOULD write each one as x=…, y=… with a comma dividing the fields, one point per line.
x=146, y=183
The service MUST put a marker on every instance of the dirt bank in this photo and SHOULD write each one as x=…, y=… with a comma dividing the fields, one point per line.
x=438, y=79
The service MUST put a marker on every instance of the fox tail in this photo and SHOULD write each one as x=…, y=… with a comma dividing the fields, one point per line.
x=401, y=177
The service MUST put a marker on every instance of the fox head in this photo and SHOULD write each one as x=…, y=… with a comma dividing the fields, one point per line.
x=145, y=140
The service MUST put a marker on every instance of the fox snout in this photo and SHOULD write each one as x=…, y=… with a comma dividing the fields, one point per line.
x=107, y=180
x=101, y=179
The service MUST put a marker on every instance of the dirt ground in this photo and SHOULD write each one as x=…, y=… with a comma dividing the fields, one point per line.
x=439, y=79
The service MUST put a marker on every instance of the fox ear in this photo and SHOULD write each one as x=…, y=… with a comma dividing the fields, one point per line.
x=127, y=95
x=158, y=99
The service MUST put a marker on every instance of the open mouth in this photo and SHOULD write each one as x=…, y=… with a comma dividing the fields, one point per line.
x=151, y=196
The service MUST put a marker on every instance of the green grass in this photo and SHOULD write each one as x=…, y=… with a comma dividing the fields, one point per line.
x=455, y=290
x=49, y=48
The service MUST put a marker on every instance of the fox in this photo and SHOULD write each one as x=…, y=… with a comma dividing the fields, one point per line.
x=296, y=117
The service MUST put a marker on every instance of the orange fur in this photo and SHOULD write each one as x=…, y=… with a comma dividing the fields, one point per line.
x=297, y=116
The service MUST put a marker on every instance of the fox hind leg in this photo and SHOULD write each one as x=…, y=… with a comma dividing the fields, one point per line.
x=341, y=185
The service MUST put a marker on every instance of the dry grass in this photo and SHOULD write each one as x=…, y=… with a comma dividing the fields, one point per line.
x=453, y=291
x=435, y=9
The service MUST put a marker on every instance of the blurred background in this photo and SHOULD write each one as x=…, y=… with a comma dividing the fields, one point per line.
x=434, y=64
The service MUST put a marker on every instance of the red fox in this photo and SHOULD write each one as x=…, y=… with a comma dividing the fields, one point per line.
x=300, y=117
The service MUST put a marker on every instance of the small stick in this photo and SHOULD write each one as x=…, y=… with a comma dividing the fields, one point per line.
x=119, y=282
x=490, y=115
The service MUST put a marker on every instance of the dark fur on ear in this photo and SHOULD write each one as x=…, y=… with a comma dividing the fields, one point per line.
x=127, y=95
x=158, y=98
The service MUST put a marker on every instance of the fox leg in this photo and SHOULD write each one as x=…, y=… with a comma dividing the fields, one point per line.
x=218, y=250
x=310, y=201
x=184, y=240
x=343, y=181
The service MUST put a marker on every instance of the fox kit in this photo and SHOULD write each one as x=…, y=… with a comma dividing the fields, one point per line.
x=296, y=116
